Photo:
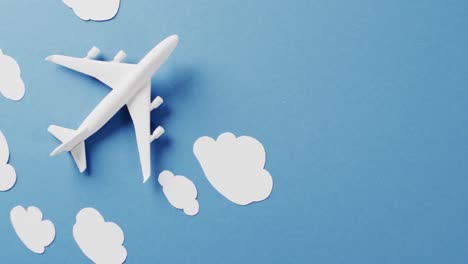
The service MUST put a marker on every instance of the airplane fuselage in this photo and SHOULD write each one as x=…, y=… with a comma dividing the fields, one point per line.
x=111, y=104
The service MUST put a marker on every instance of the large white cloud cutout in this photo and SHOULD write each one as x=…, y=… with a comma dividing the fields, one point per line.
x=100, y=241
x=235, y=167
x=97, y=10
x=180, y=192
x=7, y=172
x=11, y=84
x=35, y=233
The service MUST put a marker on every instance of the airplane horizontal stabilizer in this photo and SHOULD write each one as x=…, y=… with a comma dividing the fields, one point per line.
x=68, y=137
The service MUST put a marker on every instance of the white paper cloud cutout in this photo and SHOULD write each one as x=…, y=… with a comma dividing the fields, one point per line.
x=7, y=172
x=235, y=167
x=11, y=84
x=180, y=192
x=100, y=241
x=35, y=233
x=97, y=10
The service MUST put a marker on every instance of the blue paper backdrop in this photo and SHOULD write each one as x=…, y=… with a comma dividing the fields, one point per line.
x=361, y=106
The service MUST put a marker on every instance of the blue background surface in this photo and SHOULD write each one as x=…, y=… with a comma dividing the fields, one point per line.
x=361, y=106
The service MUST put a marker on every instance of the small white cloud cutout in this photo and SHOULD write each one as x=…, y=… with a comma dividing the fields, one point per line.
x=100, y=241
x=35, y=233
x=235, y=167
x=97, y=10
x=180, y=192
x=7, y=172
x=11, y=84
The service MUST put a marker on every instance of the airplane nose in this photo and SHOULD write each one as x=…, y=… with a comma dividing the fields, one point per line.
x=174, y=39
x=51, y=58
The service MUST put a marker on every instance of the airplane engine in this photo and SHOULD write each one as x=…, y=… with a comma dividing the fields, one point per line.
x=158, y=132
x=120, y=56
x=157, y=102
x=93, y=53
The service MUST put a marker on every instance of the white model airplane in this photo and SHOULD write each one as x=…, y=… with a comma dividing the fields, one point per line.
x=131, y=86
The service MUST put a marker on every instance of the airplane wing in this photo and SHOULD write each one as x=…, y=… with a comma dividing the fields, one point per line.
x=108, y=72
x=140, y=110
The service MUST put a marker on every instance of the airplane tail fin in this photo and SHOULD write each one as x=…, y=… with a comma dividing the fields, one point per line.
x=73, y=142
